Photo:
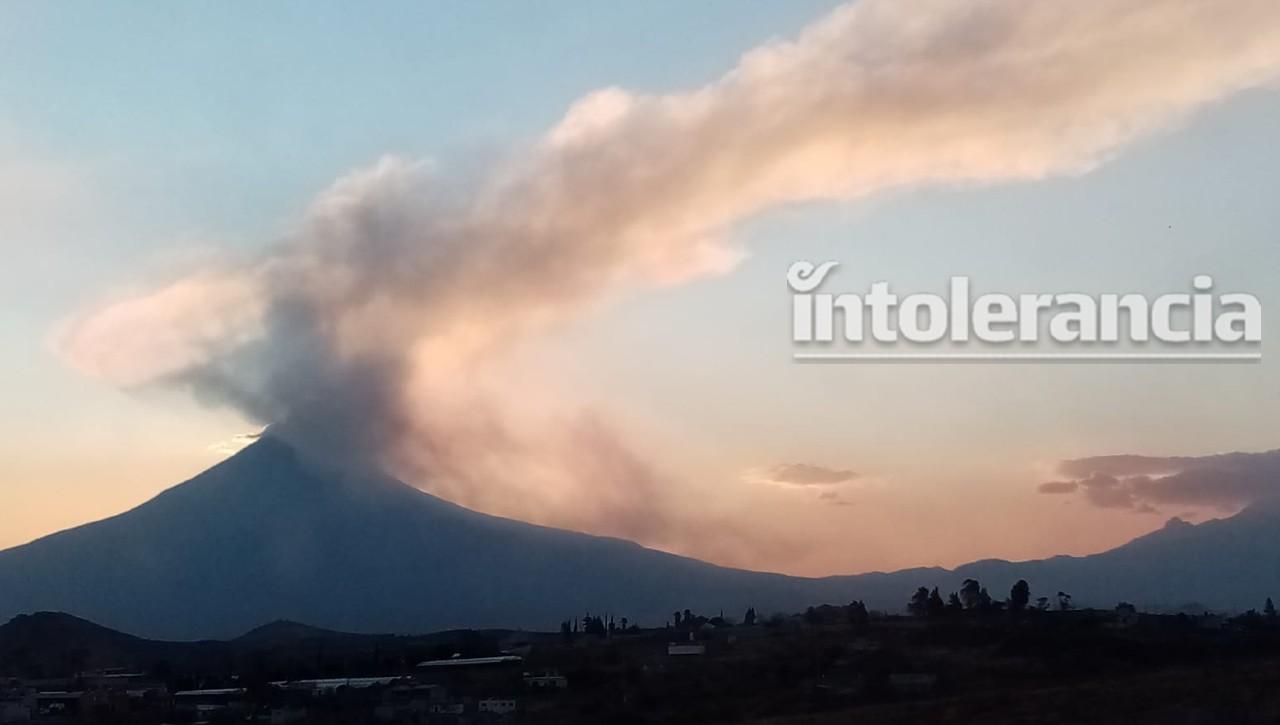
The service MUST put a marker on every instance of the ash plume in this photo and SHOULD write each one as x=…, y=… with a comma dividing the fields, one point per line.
x=379, y=329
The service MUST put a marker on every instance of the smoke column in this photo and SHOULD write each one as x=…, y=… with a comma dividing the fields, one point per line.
x=377, y=331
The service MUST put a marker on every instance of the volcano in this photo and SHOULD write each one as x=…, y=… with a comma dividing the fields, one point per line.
x=267, y=536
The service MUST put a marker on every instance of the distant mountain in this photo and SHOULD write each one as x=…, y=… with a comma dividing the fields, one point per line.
x=32, y=632
x=285, y=632
x=48, y=643
x=55, y=644
x=264, y=536
x=1223, y=564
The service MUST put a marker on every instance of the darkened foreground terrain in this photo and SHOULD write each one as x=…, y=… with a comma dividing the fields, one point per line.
x=970, y=660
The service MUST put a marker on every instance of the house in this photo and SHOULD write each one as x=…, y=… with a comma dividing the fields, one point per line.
x=545, y=681
x=211, y=703
x=496, y=706
x=58, y=703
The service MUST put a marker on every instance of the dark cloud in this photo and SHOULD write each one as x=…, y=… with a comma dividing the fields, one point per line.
x=834, y=498
x=1224, y=481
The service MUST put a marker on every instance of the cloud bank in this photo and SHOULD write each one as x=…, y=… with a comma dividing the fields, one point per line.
x=1226, y=481
x=383, y=326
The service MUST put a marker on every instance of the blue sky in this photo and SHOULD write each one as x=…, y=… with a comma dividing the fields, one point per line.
x=139, y=139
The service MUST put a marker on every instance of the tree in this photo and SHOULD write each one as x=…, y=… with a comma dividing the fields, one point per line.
x=936, y=605
x=919, y=604
x=1064, y=601
x=1019, y=596
x=811, y=616
x=675, y=617
x=592, y=625
x=953, y=603
x=749, y=619
x=566, y=631
x=969, y=593
x=984, y=599
x=859, y=618
x=1269, y=609
x=1042, y=603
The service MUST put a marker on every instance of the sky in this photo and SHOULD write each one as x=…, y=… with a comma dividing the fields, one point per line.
x=535, y=328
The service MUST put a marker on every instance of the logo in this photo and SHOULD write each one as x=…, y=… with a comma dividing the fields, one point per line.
x=1189, y=326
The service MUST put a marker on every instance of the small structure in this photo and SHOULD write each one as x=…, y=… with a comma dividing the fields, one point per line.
x=408, y=701
x=496, y=706
x=211, y=703
x=475, y=676
x=58, y=703
x=459, y=662
x=333, y=684
x=545, y=681
x=685, y=649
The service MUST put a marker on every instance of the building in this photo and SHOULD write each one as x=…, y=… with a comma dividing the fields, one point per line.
x=408, y=701
x=456, y=662
x=496, y=706
x=546, y=681
x=58, y=703
x=478, y=677
x=212, y=704
x=333, y=684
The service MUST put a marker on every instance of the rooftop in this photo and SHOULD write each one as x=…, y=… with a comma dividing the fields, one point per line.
x=472, y=661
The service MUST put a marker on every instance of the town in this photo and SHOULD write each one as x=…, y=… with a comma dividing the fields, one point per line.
x=955, y=658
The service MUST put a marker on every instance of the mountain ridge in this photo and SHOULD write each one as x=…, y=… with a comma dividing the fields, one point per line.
x=265, y=536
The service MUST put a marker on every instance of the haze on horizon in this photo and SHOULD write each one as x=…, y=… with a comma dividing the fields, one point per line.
x=426, y=239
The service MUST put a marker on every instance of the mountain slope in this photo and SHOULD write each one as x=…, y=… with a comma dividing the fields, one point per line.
x=1224, y=564
x=263, y=537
